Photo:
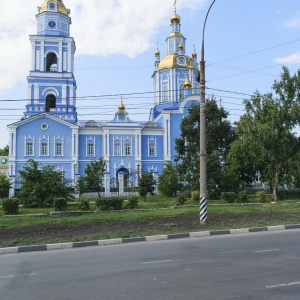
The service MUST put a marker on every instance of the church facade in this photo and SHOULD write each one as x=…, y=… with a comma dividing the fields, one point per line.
x=49, y=131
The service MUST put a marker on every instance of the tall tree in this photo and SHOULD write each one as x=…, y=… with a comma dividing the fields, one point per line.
x=265, y=132
x=168, y=183
x=4, y=186
x=219, y=134
x=95, y=171
x=41, y=184
x=146, y=184
x=4, y=151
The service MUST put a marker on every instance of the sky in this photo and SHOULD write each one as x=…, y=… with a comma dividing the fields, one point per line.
x=246, y=44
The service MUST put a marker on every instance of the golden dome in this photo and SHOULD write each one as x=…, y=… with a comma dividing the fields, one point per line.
x=121, y=106
x=175, y=19
x=180, y=46
x=60, y=7
x=194, y=54
x=170, y=61
x=157, y=52
x=187, y=84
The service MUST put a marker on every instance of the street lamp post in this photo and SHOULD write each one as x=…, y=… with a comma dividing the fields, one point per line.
x=203, y=198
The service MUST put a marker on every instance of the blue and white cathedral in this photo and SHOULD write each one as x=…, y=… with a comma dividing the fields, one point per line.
x=50, y=133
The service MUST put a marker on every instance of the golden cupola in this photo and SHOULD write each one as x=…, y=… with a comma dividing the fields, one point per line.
x=121, y=106
x=175, y=19
x=194, y=54
x=187, y=84
x=157, y=52
x=47, y=5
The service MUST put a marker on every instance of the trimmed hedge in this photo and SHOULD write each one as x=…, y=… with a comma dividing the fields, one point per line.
x=133, y=202
x=228, y=197
x=10, y=206
x=60, y=204
x=110, y=203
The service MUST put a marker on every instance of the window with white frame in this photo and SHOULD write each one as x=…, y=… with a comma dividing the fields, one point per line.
x=44, y=149
x=29, y=146
x=117, y=149
x=90, y=146
x=58, y=146
x=127, y=149
x=44, y=146
x=165, y=92
x=152, y=146
x=181, y=91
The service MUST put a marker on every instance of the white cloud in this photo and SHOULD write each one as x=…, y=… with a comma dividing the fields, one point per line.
x=294, y=22
x=292, y=59
x=100, y=27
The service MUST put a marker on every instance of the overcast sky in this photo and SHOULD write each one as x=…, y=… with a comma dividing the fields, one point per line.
x=246, y=43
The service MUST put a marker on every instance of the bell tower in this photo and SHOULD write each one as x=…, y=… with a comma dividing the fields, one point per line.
x=51, y=82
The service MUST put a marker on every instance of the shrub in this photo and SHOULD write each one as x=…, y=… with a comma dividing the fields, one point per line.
x=228, y=197
x=242, y=197
x=10, y=206
x=261, y=196
x=195, y=196
x=214, y=195
x=84, y=204
x=110, y=203
x=181, y=199
x=288, y=195
x=133, y=202
x=60, y=204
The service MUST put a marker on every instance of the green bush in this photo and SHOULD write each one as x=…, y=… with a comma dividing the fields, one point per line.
x=84, y=204
x=195, y=196
x=132, y=203
x=110, y=203
x=214, y=195
x=288, y=195
x=181, y=199
x=228, y=197
x=60, y=204
x=242, y=197
x=261, y=196
x=10, y=206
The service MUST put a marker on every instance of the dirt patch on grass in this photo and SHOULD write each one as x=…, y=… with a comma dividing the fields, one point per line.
x=53, y=233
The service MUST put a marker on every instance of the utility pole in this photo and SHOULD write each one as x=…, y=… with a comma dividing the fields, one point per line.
x=202, y=124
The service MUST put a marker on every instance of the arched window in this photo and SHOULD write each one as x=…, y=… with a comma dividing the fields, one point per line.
x=165, y=93
x=50, y=102
x=181, y=91
x=51, y=62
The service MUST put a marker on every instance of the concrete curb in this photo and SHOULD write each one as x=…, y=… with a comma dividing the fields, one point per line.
x=60, y=246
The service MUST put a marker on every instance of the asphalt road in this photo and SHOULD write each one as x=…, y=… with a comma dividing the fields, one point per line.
x=259, y=266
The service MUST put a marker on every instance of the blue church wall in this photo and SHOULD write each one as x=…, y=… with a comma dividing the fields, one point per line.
x=157, y=141
x=90, y=147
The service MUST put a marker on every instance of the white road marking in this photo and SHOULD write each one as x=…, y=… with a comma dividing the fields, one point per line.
x=282, y=285
x=12, y=276
x=155, y=262
x=270, y=250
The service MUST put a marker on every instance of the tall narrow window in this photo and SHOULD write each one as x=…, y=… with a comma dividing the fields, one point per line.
x=29, y=148
x=51, y=62
x=127, y=149
x=152, y=146
x=181, y=91
x=151, y=149
x=58, y=149
x=117, y=149
x=44, y=149
x=50, y=102
x=90, y=149
x=165, y=93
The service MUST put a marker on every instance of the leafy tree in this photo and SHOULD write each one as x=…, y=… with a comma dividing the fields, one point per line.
x=41, y=184
x=219, y=134
x=4, y=151
x=80, y=186
x=168, y=183
x=4, y=186
x=265, y=132
x=94, y=175
x=146, y=184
